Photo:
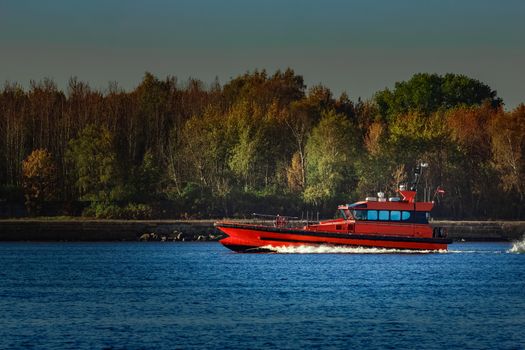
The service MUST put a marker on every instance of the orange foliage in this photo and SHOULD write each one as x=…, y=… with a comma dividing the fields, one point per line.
x=508, y=146
x=372, y=139
x=39, y=179
x=470, y=129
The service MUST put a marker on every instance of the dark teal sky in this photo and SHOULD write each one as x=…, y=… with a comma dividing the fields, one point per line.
x=354, y=46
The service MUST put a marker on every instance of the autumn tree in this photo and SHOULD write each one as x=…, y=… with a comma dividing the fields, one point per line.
x=263, y=89
x=295, y=174
x=264, y=137
x=508, y=152
x=298, y=123
x=374, y=167
x=39, y=179
x=472, y=176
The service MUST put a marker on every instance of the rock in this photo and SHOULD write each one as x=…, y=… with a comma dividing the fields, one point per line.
x=162, y=230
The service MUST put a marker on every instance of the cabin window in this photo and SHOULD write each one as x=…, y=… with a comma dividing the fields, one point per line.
x=395, y=215
x=360, y=214
x=384, y=215
x=422, y=217
x=405, y=215
x=372, y=215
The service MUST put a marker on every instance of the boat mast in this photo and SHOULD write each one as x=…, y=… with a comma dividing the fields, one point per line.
x=417, y=175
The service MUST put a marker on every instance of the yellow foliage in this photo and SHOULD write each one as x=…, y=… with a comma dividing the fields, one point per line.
x=508, y=138
x=39, y=178
x=295, y=174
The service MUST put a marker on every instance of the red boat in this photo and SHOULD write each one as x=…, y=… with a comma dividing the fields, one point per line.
x=395, y=223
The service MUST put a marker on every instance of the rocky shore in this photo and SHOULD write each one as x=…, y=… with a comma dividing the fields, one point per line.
x=107, y=230
x=203, y=230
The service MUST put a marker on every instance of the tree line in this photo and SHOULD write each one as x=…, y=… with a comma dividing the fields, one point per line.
x=260, y=142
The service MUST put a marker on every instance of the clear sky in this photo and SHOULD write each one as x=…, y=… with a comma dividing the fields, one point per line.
x=354, y=46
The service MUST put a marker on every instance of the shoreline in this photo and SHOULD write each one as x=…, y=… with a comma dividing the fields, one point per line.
x=93, y=230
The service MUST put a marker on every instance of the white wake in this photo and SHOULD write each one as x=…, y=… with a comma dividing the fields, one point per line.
x=330, y=249
x=518, y=247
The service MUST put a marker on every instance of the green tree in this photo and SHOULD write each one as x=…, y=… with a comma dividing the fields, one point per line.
x=147, y=178
x=426, y=93
x=244, y=153
x=330, y=160
x=205, y=147
x=259, y=145
x=95, y=164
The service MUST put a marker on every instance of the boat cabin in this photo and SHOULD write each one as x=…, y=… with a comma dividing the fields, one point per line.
x=395, y=209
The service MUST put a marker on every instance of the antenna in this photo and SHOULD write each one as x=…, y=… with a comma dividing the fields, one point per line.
x=417, y=175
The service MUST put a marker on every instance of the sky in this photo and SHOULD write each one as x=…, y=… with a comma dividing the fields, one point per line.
x=355, y=46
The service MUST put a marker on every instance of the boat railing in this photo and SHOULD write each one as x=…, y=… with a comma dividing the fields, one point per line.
x=280, y=221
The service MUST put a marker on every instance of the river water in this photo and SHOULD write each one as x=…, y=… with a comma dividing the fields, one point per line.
x=201, y=295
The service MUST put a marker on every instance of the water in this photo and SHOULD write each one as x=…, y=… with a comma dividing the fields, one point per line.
x=200, y=295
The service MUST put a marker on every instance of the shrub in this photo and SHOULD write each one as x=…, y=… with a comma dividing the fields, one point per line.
x=137, y=211
x=107, y=210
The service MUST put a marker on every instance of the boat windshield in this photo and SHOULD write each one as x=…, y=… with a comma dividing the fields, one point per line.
x=360, y=214
x=345, y=214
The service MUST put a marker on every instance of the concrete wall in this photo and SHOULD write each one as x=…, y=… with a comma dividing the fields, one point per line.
x=133, y=230
x=484, y=230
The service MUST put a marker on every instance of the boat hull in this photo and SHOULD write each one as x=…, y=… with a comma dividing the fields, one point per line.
x=255, y=238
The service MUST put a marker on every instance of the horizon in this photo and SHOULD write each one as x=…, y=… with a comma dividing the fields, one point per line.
x=358, y=48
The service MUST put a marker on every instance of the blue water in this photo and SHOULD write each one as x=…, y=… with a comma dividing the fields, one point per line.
x=200, y=295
